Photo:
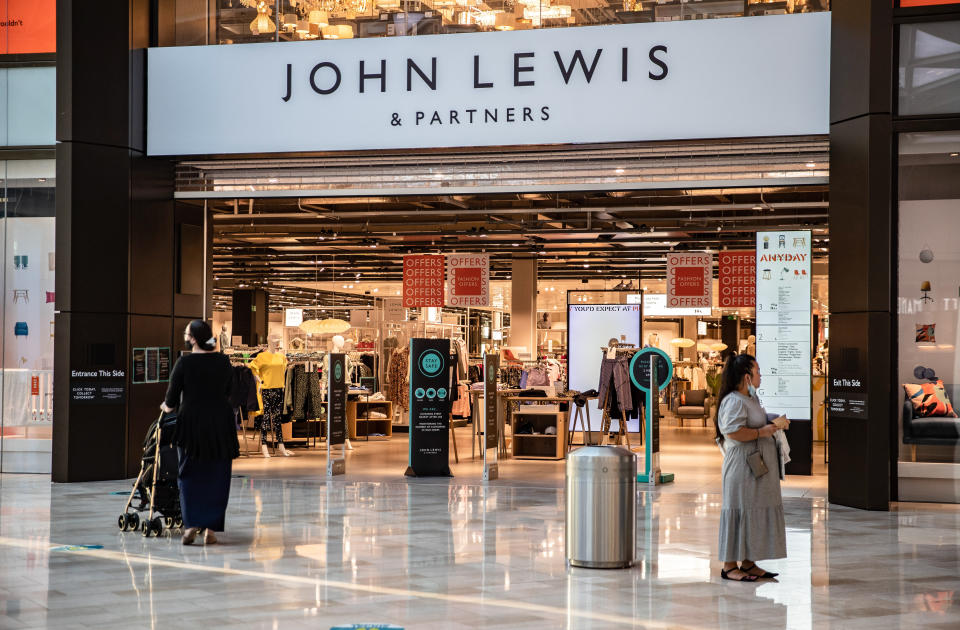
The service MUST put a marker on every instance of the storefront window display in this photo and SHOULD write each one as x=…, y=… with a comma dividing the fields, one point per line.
x=244, y=21
x=929, y=315
x=28, y=314
x=929, y=72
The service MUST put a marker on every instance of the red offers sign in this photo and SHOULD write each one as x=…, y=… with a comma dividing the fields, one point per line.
x=689, y=280
x=468, y=277
x=423, y=280
x=738, y=279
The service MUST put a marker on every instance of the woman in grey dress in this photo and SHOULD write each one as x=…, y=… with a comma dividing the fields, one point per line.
x=751, y=519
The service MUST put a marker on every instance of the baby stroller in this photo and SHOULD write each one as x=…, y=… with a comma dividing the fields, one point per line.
x=155, y=489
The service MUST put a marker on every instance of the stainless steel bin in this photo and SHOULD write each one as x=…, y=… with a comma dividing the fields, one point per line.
x=601, y=507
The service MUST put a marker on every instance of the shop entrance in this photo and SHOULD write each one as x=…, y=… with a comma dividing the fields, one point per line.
x=317, y=273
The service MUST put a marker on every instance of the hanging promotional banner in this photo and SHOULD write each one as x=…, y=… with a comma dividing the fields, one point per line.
x=738, y=279
x=468, y=280
x=423, y=281
x=429, y=454
x=689, y=280
x=393, y=310
x=784, y=322
x=519, y=87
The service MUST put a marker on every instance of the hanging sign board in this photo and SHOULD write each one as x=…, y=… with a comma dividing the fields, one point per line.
x=689, y=280
x=468, y=280
x=738, y=279
x=292, y=316
x=522, y=87
x=336, y=413
x=429, y=454
x=423, y=281
x=784, y=322
x=393, y=310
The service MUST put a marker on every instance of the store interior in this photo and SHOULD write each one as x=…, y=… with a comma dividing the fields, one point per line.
x=328, y=272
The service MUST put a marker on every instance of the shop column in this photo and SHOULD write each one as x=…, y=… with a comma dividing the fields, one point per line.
x=130, y=262
x=861, y=249
x=523, y=305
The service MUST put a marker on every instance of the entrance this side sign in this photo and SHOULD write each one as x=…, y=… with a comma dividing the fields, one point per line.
x=674, y=80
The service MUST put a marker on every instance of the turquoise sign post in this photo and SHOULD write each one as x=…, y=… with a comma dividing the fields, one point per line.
x=651, y=370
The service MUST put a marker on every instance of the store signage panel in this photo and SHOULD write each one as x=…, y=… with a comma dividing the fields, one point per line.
x=784, y=271
x=738, y=279
x=429, y=408
x=28, y=26
x=690, y=280
x=468, y=280
x=393, y=310
x=292, y=316
x=337, y=394
x=98, y=386
x=423, y=281
x=655, y=305
x=670, y=80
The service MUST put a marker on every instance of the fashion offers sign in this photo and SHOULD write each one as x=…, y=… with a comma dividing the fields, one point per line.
x=689, y=280
x=468, y=280
x=423, y=281
x=429, y=454
x=784, y=270
x=672, y=80
x=738, y=279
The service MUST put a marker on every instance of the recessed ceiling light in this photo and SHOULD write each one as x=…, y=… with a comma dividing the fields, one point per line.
x=811, y=165
x=619, y=171
x=951, y=155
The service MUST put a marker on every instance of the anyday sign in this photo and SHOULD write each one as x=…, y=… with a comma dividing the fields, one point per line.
x=669, y=80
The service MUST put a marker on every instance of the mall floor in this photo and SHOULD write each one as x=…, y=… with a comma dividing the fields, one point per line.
x=376, y=547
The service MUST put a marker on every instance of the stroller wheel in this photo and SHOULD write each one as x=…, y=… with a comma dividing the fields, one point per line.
x=122, y=522
x=132, y=522
x=156, y=525
x=178, y=523
x=168, y=522
x=145, y=528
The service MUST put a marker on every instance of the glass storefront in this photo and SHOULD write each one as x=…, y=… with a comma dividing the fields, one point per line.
x=28, y=307
x=929, y=315
x=929, y=68
x=247, y=21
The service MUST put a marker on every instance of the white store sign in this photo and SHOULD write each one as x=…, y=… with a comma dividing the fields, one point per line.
x=627, y=82
x=784, y=274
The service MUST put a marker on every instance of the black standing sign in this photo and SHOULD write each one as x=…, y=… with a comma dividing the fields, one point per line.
x=429, y=408
x=491, y=365
x=337, y=395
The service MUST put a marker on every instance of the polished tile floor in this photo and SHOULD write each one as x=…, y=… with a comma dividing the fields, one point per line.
x=373, y=546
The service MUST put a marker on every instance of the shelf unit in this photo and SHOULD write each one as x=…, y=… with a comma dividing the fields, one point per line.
x=357, y=411
x=539, y=445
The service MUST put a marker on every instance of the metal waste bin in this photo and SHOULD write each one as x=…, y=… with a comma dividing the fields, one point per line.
x=601, y=507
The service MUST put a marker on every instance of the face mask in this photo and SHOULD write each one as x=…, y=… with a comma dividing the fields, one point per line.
x=752, y=389
x=187, y=344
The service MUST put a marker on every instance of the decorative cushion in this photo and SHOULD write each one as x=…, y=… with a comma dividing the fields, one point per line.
x=929, y=400
x=689, y=410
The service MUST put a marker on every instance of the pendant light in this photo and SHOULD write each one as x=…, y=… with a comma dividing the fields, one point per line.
x=262, y=24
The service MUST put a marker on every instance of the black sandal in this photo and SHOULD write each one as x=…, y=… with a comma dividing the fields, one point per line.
x=767, y=575
x=746, y=576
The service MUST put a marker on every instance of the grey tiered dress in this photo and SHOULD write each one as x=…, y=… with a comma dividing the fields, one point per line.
x=751, y=518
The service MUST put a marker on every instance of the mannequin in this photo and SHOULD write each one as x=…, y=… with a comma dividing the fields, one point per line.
x=270, y=367
x=752, y=345
x=653, y=340
x=224, y=338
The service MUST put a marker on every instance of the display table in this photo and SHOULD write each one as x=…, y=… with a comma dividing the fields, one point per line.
x=539, y=445
x=358, y=413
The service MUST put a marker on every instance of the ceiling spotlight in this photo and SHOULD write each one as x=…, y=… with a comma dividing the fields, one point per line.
x=718, y=228
x=951, y=155
x=586, y=265
x=811, y=165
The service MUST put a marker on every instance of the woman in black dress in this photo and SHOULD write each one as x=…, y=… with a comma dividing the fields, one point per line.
x=206, y=436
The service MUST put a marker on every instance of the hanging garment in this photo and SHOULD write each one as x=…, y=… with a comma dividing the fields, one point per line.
x=20, y=329
x=398, y=391
x=460, y=347
x=307, y=398
x=243, y=391
x=461, y=406
x=615, y=373
x=51, y=297
x=272, y=414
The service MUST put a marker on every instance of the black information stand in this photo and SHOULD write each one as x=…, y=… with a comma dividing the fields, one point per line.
x=429, y=454
x=337, y=414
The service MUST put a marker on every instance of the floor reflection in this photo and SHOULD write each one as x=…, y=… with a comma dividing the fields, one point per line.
x=307, y=552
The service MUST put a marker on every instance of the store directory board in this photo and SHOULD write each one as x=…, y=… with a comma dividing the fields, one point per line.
x=491, y=421
x=337, y=414
x=784, y=272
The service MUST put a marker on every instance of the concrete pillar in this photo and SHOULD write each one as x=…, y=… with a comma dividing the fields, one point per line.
x=523, y=305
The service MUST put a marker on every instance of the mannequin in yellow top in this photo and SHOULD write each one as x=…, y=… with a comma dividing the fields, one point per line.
x=270, y=368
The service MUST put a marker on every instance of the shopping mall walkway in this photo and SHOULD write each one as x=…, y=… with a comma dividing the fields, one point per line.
x=301, y=552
